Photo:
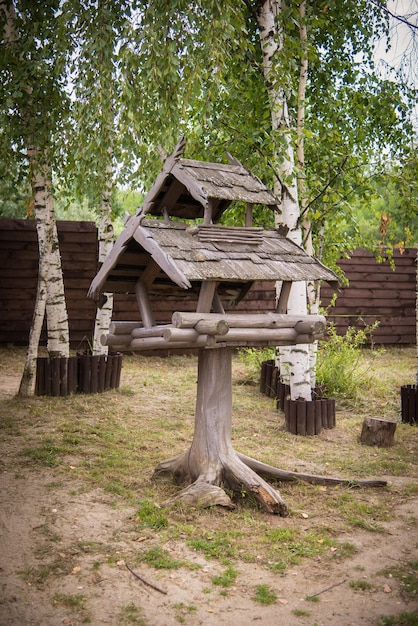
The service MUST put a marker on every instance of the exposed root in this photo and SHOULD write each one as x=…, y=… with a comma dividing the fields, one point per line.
x=206, y=489
x=283, y=476
x=201, y=494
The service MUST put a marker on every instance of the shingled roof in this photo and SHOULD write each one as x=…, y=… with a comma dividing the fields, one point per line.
x=182, y=254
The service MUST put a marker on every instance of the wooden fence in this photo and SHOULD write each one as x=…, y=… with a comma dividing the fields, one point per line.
x=19, y=275
x=375, y=292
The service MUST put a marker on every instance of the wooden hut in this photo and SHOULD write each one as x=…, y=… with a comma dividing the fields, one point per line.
x=187, y=251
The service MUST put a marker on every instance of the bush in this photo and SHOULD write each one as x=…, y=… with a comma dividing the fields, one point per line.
x=338, y=370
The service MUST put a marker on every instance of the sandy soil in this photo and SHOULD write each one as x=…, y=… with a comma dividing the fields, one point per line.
x=49, y=517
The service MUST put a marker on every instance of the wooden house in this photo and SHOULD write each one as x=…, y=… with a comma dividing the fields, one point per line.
x=186, y=250
x=174, y=245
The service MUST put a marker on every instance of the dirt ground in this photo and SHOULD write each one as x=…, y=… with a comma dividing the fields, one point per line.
x=40, y=520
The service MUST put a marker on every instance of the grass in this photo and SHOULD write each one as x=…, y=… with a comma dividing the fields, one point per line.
x=407, y=575
x=131, y=614
x=264, y=595
x=227, y=578
x=113, y=441
x=403, y=619
x=360, y=585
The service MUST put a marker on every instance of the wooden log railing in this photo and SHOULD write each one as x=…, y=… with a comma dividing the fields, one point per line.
x=212, y=330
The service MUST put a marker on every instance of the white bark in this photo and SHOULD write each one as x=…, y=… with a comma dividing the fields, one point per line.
x=294, y=361
x=50, y=295
x=106, y=239
x=27, y=382
x=58, y=338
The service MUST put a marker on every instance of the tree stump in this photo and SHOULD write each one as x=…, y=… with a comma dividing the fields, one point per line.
x=378, y=432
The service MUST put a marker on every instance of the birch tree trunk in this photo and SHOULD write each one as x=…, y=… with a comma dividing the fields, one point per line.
x=294, y=361
x=106, y=239
x=50, y=295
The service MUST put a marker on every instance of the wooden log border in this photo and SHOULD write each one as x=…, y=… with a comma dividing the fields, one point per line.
x=409, y=404
x=301, y=417
x=309, y=417
x=83, y=373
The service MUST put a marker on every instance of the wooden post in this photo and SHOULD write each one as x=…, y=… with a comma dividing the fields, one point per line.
x=377, y=432
x=144, y=304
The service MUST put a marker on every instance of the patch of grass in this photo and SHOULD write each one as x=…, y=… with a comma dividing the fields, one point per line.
x=75, y=602
x=360, y=585
x=182, y=610
x=288, y=546
x=160, y=559
x=301, y=613
x=357, y=522
x=47, y=453
x=264, y=595
x=312, y=598
x=131, y=614
x=220, y=545
x=39, y=575
x=403, y=619
x=227, y=578
x=151, y=516
x=407, y=574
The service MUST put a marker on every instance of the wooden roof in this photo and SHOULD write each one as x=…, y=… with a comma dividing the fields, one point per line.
x=187, y=254
x=167, y=253
x=190, y=186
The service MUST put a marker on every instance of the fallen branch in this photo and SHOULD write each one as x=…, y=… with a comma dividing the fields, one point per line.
x=145, y=581
x=328, y=588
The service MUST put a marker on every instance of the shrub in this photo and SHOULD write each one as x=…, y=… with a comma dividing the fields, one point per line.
x=338, y=370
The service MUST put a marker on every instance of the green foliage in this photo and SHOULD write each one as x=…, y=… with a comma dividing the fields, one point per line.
x=265, y=595
x=110, y=82
x=338, y=371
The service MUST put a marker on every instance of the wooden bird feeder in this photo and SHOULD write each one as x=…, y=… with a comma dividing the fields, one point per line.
x=184, y=251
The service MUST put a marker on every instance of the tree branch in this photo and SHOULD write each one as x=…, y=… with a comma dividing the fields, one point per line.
x=399, y=18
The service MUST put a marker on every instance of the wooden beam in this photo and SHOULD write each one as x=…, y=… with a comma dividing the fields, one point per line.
x=249, y=215
x=144, y=304
x=152, y=331
x=206, y=294
x=259, y=334
x=283, y=297
x=150, y=273
x=188, y=335
x=183, y=319
x=207, y=215
x=123, y=328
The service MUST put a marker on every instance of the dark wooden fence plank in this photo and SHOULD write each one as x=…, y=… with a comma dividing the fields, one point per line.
x=375, y=292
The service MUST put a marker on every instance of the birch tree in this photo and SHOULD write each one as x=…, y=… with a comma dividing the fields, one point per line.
x=31, y=88
x=98, y=31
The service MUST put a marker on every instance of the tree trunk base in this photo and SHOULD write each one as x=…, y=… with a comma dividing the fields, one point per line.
x=212, y=483
x=211, y=471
